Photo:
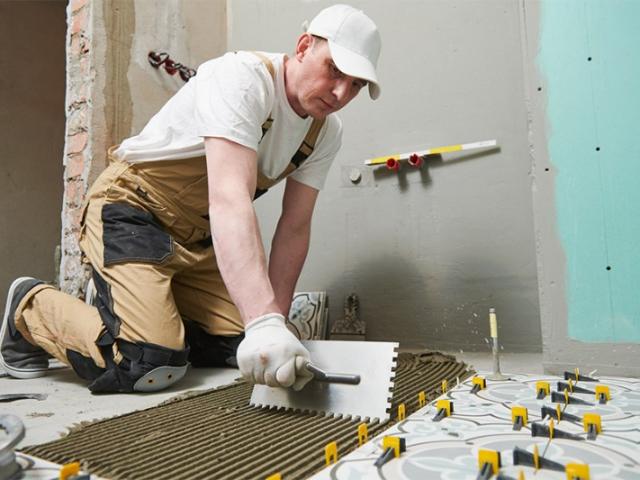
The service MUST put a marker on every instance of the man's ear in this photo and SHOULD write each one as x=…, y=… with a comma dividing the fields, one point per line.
x=303, y=46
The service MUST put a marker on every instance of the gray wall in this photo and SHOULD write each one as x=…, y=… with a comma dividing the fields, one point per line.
x=32, y=76
x=428, y=252
x=128, y=89
x=191, y=31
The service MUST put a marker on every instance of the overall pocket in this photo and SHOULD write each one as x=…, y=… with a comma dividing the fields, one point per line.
x=130, y=234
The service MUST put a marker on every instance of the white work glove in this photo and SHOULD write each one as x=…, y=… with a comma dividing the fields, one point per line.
x=270, y=354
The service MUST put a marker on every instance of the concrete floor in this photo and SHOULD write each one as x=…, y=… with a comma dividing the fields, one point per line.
x=69, y=402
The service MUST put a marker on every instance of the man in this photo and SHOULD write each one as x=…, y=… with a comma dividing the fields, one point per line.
x=171, y=232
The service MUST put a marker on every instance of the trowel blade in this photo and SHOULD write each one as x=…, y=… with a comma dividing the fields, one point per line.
x=375, y=363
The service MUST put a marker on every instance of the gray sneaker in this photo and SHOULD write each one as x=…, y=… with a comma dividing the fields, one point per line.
x=18, y=357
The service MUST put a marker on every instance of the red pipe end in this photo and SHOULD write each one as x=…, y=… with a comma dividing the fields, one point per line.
x=393, y=164
x=415, y=160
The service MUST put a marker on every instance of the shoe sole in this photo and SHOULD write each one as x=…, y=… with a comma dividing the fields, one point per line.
x=24, y=373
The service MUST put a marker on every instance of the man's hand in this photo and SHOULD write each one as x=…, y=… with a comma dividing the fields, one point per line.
x=270, y=354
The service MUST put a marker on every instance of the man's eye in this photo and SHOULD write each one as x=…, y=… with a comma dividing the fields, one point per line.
x=335, y=70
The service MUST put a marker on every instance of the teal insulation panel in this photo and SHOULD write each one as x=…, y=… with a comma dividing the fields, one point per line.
x=589, y=57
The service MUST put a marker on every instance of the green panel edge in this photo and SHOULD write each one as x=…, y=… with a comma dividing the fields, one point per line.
x=588, y=58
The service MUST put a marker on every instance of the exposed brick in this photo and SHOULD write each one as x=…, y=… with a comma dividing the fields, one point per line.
x=76, y=216
x=79, y=100
x=79, y=46
x=77, y=5
x=73, y=274
x=84, y=67
x=70, y=234
x=77, y=122
x=79, y=71
x=73, y=192
x=75, y=166
x=79, y=89
x=79, y=20
x=74, y=47
x=77, y=106
x=75, y=128
x=77, y=143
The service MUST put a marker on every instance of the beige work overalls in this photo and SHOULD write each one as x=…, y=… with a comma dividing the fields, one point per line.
x=145, y=231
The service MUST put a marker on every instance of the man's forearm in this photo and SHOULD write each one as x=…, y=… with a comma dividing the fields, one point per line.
x=288, y=252
x=241, y=258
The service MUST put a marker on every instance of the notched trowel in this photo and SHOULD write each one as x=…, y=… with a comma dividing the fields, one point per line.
x=350, y=378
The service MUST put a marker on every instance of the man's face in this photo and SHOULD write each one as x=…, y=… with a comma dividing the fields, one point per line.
x=323, y=88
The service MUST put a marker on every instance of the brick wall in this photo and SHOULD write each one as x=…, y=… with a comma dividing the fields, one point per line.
x=77, y=152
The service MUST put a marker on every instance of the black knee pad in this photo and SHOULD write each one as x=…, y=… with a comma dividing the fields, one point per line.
x=85, y=367
x=145, y=367
x=211, y=350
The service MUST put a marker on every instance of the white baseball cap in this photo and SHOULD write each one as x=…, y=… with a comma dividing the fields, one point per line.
x=354, y=42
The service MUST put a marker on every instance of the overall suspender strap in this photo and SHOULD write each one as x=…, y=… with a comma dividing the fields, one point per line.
x=309, y=143
x=304, y=150
x=272, y=71
x=267, y=63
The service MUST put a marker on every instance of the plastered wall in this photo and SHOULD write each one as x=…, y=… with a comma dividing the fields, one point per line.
x=32, y=76
x=428, y=252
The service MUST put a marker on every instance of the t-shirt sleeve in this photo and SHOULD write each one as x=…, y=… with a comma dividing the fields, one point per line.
x=234, y=96
x=314, y=170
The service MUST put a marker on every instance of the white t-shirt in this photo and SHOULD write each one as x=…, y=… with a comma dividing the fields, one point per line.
x=231, y=97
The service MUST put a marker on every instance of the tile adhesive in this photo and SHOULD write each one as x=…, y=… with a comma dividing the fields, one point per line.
x=216, y=434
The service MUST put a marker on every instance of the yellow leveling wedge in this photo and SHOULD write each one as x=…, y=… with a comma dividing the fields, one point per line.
x=69, y=470
x=445, y=409
x=592, y=423
x=479, y=383
x=401, y=412
x=392, y=447
x=577, y=471
x=489, y=463
x=542, y=390
x=422, y=399
x=363, y=434
x=519, y=417
x=603, y=394
x=331, y=453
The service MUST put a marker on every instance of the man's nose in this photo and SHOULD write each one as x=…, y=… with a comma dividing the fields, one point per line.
x=341, y=90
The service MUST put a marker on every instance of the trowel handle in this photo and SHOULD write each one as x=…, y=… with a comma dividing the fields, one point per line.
x=331, y=377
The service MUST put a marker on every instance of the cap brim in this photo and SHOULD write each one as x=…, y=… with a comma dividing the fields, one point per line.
x=355, y=65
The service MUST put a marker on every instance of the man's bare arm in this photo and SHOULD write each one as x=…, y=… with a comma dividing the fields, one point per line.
x=269, y=352
x=291, y=241
x=236, y=235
